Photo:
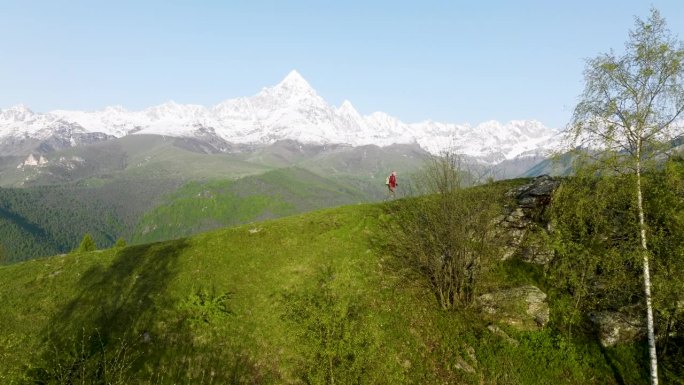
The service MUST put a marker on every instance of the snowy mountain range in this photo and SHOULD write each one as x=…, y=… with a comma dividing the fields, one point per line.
x=290, y=110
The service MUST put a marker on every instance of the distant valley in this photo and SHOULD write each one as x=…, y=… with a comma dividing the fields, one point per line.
x=147, y=188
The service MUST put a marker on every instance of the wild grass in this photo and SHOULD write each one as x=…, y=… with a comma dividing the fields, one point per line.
x=314, y=298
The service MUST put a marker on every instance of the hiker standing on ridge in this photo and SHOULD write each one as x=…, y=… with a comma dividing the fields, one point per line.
x=392, y=184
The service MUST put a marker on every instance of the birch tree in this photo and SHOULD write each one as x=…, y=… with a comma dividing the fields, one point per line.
x=631, y=110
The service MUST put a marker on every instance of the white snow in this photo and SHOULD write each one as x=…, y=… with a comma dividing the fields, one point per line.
x=290, y=110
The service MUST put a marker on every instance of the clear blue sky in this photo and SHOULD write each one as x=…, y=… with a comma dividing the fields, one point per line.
x=454, y=61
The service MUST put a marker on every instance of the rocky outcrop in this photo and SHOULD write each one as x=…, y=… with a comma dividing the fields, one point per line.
x=524, y=307
x=616, y=328
x=525, y=223
x=536, y=194
x=525, y=228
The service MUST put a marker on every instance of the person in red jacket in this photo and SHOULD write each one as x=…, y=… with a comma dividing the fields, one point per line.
x=392, y=183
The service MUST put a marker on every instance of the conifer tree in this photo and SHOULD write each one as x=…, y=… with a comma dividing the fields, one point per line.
x=87, y=244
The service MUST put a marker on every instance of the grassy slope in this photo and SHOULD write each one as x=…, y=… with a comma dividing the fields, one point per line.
x=200, y=206
x=48, y=220
x=286, y=281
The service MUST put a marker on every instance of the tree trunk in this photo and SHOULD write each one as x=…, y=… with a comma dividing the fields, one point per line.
x=647, y=276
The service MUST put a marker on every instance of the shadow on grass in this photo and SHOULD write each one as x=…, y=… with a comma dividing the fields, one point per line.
x=123, y=327
x=121, y=297
x=614, y=368
x=105, y=327
x=629, y=363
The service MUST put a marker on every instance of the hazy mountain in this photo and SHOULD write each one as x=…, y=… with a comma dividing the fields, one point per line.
x=290, y=110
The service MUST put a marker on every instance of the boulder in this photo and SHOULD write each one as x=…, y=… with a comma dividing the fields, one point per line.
x=461, y=364
x=524, y=220
x=499, y=332
x=464, y=365
x=524, y=308
x=616, y=328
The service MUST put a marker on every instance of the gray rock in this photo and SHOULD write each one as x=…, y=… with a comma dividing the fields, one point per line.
x=525, y=219
x=470, y=363
x=540, y=254
x=536, y=246
x=499, y=332
x=524, y=308
x=462, y=365
x=543, y=186
x=537, y=192
x=517, y=219
x=616, y=328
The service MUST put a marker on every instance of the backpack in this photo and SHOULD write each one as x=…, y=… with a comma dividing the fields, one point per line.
x=387, y=181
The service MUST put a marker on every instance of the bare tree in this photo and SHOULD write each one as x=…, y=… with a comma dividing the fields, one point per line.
x=629, y=110
x=447, y=233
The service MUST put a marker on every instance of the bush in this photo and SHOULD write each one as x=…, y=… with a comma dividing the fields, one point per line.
x=450, y=237
x=334, y=348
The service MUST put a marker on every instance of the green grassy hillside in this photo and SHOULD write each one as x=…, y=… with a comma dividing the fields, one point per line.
x=200, y=206
x=314, y=298
x=47, y=220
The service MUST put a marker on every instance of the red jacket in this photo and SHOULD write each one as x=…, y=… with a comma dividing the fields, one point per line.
x=392, y=181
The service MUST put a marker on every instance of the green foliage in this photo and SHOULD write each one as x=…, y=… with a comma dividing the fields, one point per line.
x=596, y=244
x=516, y=272
x=120, y=242
x=543, y=357
x=628, y=110
x=202, y=206
x=204, y=307
x=595, y=232
x=630, y=101
x=48, y=220
x=665, y=209
x=334, y=347
x=450, y=237
x=199, y=207
x=87, y=244
x=195, y=351
x=85, y=359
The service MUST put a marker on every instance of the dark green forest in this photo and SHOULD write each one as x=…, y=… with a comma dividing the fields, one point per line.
x=47, y=220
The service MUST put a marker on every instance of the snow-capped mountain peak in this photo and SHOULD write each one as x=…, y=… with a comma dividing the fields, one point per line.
x=294, y=80
x=346, y=109
x=293, y=91
x=18, y=112
x=289, y=110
